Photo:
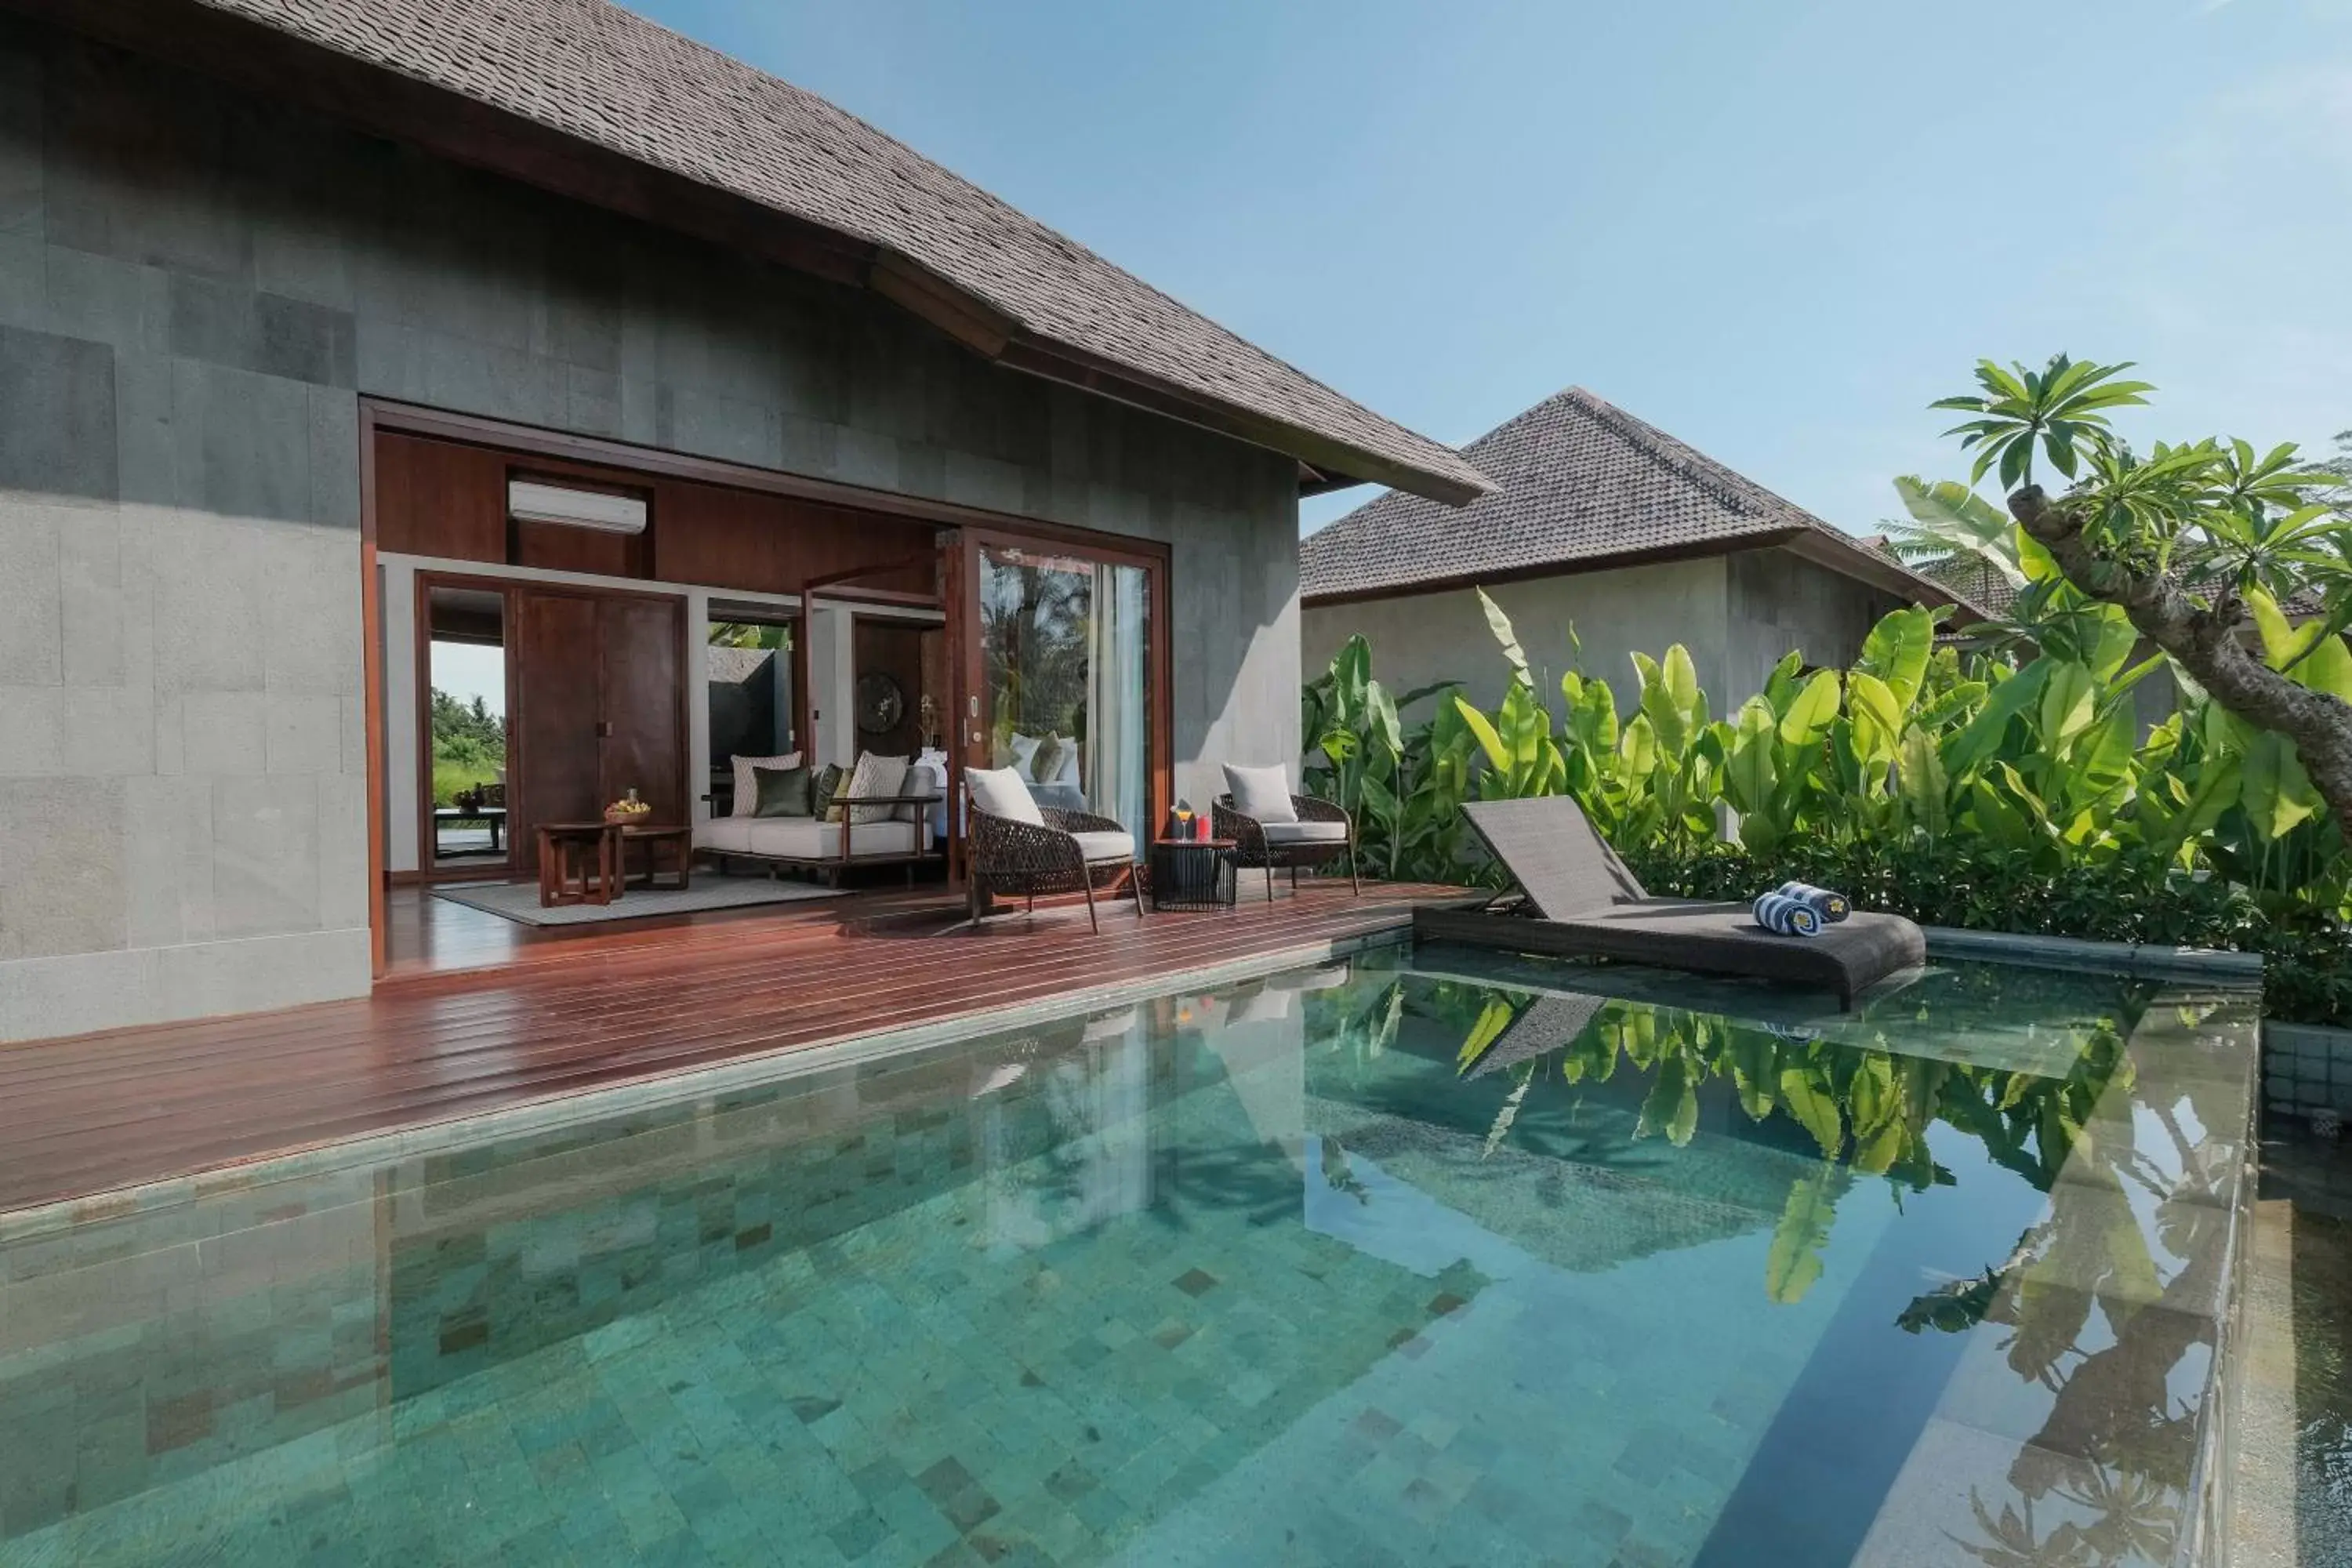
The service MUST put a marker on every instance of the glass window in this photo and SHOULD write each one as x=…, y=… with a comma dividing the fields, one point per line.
x=1065, y=646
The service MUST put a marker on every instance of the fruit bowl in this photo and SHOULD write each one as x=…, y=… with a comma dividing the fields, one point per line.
x=624, y=812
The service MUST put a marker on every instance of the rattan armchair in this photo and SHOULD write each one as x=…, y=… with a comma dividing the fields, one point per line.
x=1003, y=856
x=1255, y=849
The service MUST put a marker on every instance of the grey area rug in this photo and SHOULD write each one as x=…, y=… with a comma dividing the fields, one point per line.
x=519, y=901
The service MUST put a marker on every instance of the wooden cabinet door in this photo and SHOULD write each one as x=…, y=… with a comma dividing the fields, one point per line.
x=559, y=702
x=640, y=643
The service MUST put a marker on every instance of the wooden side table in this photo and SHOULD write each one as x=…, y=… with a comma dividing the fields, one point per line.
x=579, y=863
x=676, y=841
x=1192, y=874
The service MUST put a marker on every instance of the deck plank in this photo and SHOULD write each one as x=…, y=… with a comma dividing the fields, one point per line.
x=475, y=1018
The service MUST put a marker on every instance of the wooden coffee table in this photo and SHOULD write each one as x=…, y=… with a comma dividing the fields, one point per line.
x=677, y=840
x=579, y=863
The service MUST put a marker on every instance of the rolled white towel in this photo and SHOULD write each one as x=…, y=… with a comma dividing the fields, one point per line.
x=1784, y=916
x=1831, y=906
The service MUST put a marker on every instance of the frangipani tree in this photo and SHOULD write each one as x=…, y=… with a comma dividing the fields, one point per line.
x=2191, y=542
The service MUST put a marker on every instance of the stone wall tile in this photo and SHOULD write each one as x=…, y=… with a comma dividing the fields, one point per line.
x=211, y=608
x=109, y=732
x=342, y=850
x=265, y=873
x=21, y=91
x=305, y=734
x=24, y=281
x=167, y=859
x=61, y=862
x=223, y=732
x=97, y=629
x=32, y=604
x=32, y=730
x=334, y=457
x=57, y=416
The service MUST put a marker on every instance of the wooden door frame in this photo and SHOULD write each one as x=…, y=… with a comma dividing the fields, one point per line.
x=967, y=658
x=424, y=581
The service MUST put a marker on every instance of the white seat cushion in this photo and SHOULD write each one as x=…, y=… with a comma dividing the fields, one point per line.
x=1106, y=845
x=806, y=838
x=1260, y=793
x=725, y=833
x=1001, y=792
x=1305, y=832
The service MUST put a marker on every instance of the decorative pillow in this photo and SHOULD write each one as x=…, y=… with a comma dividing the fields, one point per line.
x=1260, y=793
x=1018, y=753
x=823, y=788
x=747, y=793
x=1045, y=761
x=782, y=792
x=1000, y=792
x=876, y=774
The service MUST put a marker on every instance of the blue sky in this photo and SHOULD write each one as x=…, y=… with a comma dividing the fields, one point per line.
x=1775, y=230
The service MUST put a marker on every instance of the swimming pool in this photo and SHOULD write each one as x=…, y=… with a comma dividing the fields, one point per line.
x=1416, y=1258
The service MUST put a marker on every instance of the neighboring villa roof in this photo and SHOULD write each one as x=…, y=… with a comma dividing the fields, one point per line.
x=1580, y=485
x=635, y=109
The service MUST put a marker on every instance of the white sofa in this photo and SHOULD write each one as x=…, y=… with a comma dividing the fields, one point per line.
x=813, y=843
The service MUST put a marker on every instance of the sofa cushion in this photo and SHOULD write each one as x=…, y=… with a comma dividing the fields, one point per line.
x=1000, y=792
x=1106, y=845
x=781, y=792
x=745, y=793
x=724, y=833
x=1305, y=832
x=1260, y=793
x=805, y=838
x=876, y=774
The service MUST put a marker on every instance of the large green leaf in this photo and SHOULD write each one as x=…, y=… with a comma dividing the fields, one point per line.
x=1877, y=717
x=1810, y=715
x=2274, y=787
x=1500, y=624
x=1748, y=774
x=1637, y=748
x=1924, y=787
x=2069, y=703
x=1499, y=756
x=1672, y=1105
x=1815, y=1108
x=1896, y=652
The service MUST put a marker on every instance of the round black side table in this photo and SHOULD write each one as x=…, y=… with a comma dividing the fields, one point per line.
x=1192, y=874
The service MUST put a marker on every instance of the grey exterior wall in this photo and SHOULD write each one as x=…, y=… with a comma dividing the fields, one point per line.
x=196, y=288
x=1738, y=615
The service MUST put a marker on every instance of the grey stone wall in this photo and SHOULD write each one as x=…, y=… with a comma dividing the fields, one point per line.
x=1781, y=601
x=195, y=288
x=1422, y=638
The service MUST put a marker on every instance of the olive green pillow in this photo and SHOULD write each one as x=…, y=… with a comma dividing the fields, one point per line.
x=1045, y=762
x=828, y=783
x=782, y=792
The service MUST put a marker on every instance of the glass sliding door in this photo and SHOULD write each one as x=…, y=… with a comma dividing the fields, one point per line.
x=1067, y=689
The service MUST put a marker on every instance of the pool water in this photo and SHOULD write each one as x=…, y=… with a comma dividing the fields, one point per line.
x=1427, y=1258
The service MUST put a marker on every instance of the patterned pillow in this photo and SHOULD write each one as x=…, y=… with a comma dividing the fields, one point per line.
x=876, y=774
x=827, y=783
x=1045, y=762
x=747, y=791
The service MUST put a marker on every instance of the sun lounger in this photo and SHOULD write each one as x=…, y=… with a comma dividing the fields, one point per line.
x=1581, y=900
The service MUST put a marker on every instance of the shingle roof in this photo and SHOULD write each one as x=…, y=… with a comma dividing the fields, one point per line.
x=589, y=70
x=1579, y=482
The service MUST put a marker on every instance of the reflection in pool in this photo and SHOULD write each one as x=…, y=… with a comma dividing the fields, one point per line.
x=1424, y=1260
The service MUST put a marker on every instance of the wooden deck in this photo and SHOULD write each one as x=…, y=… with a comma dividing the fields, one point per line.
x=443, y=1038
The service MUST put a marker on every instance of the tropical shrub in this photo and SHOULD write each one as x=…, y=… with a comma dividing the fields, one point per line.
x=1991, y=790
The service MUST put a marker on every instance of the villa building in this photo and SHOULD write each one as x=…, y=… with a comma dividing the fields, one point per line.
x=334, y=335
x=1610, y=527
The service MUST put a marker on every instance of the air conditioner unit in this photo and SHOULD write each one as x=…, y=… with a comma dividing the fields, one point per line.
x=530, y=501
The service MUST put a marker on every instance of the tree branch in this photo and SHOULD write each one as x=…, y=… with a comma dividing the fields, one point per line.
x=2205, y=641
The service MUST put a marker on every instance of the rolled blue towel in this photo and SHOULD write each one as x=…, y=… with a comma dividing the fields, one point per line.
x=1831, y=906
x=1784, y=916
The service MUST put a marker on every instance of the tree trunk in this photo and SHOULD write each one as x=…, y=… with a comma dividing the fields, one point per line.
x=2205, y=642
